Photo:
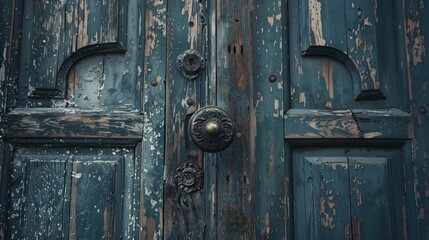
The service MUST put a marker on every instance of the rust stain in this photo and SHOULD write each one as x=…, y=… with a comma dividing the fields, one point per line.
x=150, y=231
x=240, y=65
x=108, y=225
x=271, y=162
x=266, y=229
x=356, y=230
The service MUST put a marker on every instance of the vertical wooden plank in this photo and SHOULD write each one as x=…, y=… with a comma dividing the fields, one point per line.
x=185, y=30
x=370, y=203
x=267, y=53
x=153, y=23
x=5, y=22
x=416, y=31
x=322, y=196
x=321, y=28
x=377, y=194
x=37, y=195
x=209, y=94
x=60, y=33
x=45, y=182
x=250, y=53
x=94, y=214
x=235, y=83
x=362, y=22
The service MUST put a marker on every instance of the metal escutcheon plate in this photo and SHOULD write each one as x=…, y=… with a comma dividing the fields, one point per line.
x=191, y=64
x=211, y=129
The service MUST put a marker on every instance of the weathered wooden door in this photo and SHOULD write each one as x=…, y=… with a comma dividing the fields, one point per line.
x=72, y=80
x=196, y=119
x=318, y=93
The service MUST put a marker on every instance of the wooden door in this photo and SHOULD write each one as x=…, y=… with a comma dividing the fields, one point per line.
x=72, y=123
x=327, y=98
x=321, y=108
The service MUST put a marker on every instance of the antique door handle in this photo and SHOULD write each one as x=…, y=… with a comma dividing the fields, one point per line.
x=211, y=129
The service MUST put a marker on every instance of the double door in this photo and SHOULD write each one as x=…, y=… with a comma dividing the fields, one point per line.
x=206, y=120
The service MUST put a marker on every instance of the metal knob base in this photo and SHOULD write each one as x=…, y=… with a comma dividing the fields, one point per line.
x=211, y=129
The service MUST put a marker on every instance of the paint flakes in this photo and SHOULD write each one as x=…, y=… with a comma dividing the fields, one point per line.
x=316, y=22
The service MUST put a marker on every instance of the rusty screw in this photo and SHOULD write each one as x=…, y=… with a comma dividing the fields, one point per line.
x=191, y=24
x=272, y=78
x=422, y=110
x=190, y=102
x=154, y=83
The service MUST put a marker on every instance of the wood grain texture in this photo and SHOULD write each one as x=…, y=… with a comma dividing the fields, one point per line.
x=416, y=32
x=73, y=124
x=8, y=55
x=183, y=212
x=335, y=62
x=354, y=38
x=365, y=124
x=345, y=193
x=153, y=108
x=60, y=33
x=71, y=192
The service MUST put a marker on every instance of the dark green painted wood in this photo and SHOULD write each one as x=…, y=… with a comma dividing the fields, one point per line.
x=5, y=16
x=271, y=208
x=45, y=199
x=377, y=194
x=349, y=193
x=322, y=205
x=336, y=67
x=235, y=165
x=153, y=103
x=416, y=32
x=71, y=193
x=93, y=215
x=365, y=124
x=61, y=33
x=184, y=212
x=64, y=123
x=104, y=93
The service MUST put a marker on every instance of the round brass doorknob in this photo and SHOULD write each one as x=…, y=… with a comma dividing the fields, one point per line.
x=211, y=129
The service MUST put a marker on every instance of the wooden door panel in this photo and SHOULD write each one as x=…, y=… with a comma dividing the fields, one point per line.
x=60, y=33
x=69, y=193
x=322, y=204
x=43, y=193
x=349, y=193
x=376, y=196
x=74, y=93
x=340, y=55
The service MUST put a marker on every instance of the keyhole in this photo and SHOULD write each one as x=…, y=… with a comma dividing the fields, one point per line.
x=191, y=61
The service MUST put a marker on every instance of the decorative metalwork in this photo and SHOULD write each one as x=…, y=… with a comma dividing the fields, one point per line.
x=191, y=64
x=189, y=177
x=211, y=129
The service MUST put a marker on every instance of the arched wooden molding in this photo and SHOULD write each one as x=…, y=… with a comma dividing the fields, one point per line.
x=352, y=38
x=59, y=33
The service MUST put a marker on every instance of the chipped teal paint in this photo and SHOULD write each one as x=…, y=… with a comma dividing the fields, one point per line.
x=248, y=190
x=416, y=34
x=153, y=69
x=183, y=212
x=114, y=102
